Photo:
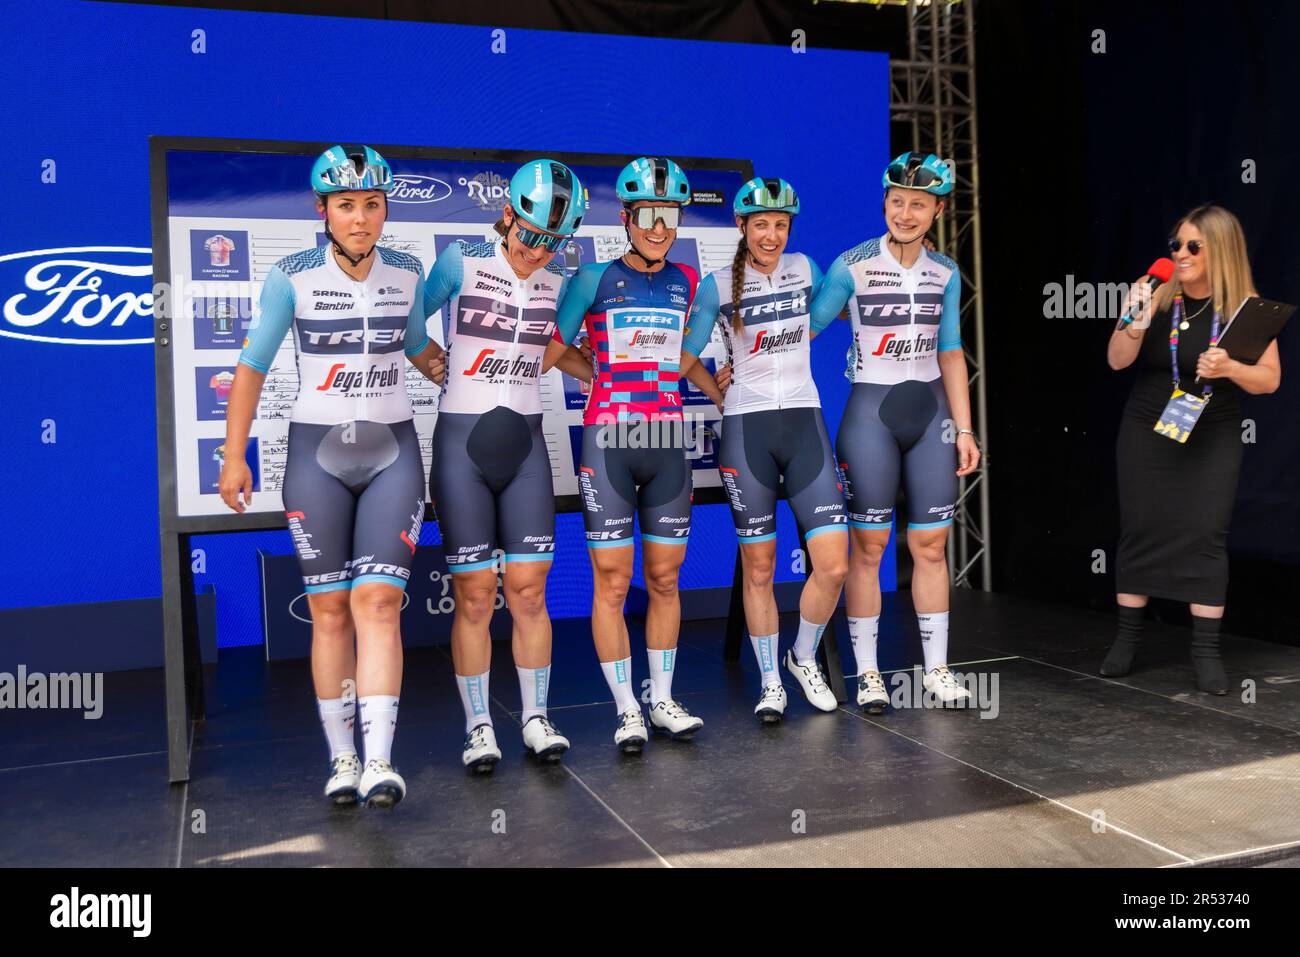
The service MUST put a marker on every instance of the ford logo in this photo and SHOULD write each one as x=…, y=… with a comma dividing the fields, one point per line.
x=408, y=188
x=78, y=295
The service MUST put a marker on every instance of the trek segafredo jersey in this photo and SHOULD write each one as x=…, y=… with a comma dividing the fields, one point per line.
x=497, y=327
x=348, y=336
x=902, y=318
x=634, y=320
x=770, y=366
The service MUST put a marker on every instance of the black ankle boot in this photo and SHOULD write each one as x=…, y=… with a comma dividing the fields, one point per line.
x=1119, y=660
x=1210, y=676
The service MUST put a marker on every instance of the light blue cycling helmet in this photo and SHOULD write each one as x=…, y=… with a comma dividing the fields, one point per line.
x=337, y=170
x=653, y=177
x=772, y=195
x=549, y=195
x=919, y=171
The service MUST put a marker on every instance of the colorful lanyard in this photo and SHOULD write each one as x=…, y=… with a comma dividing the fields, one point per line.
x=1173, y=339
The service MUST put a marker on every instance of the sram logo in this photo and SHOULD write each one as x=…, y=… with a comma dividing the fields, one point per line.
x=78, y=295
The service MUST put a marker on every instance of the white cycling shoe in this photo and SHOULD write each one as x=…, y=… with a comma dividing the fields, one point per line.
x=814, y=686
x=481, y=753
x=674, y=720
x=872, y=696
x=543, y=739
x=944, y=685
x=771, y=706
x=630, y=735
x=380, y=785
x=345, y=774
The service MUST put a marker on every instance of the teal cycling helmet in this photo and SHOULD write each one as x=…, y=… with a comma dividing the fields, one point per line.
x=772, y=195
x=337, y=170
x=548, y=195
x=919, y=171
x=653, y=177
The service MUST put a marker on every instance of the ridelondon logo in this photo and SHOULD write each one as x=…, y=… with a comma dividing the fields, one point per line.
x=78, y=295
x=490, y=191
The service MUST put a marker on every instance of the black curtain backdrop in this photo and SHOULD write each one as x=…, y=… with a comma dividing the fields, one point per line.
x=1087, y=159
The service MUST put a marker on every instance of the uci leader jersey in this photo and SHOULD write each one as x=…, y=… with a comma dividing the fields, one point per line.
x=348, y=336
x=902, y=318
x=771, y=368
x=635, y=321
x=498, y=326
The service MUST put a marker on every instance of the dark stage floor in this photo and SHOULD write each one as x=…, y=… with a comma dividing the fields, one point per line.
x=1073, y=769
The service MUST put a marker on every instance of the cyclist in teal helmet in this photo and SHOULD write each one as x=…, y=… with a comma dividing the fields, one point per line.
x=490, y=479
x=908, y=418
x=772, y=430
x=353, y=479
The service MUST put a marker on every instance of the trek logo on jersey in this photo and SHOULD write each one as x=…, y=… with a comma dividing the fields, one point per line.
x=645, y=318
x=492, y=367
x=352, y=336
x=643, y=338
x=870, y=308
x=901, y=348
x=795, y=305
x=490, y=319
x=340, y=379
x=768, y=342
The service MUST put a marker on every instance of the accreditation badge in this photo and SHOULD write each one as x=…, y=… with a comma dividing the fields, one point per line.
x=1179, y=417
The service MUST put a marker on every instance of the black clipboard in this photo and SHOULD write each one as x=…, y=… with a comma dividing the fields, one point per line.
x=1255, y=324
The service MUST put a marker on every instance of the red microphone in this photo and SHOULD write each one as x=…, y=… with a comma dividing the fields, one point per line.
x=1161, y=271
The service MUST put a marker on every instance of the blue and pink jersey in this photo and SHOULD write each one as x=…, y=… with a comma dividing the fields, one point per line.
x=635, y=322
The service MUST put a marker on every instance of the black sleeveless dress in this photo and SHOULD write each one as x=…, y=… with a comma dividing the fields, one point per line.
x=1176, y=499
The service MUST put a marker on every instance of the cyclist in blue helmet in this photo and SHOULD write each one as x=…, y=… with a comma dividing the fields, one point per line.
x=908, y=416
x=353, y=483
x=634, y=462
x=490, y=479
x=773, y=433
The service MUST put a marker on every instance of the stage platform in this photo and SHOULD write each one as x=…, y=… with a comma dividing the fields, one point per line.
x=1066, y=769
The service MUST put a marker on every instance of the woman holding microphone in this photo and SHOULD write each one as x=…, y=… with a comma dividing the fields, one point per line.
x=1176, y=496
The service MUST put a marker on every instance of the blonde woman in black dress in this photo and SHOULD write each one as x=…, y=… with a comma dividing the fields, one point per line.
x=1176, y=498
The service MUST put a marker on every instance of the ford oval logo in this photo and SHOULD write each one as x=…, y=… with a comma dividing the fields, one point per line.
x=409, y=188
x=78, y=295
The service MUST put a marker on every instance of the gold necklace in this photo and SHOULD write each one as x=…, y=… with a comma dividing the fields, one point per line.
x=1187, y=320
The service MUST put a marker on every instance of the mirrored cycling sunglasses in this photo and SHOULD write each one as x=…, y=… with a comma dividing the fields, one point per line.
x=345, y=176
x=918, y=178
x=1194, y=246
x=532, y=238
x=645, y=216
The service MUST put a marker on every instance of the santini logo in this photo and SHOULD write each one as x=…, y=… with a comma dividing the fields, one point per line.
x=103, y=910
x=408, y=188
x=78, y=295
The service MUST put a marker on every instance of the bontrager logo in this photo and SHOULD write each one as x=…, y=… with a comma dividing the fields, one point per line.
x=78, y=295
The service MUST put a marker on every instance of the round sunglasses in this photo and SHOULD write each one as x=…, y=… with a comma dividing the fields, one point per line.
x=1194, y=246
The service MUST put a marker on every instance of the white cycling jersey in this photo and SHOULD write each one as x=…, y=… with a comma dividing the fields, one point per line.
x=498, y=326
x=348, y=336
x=902, y=318
x=770, y=367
